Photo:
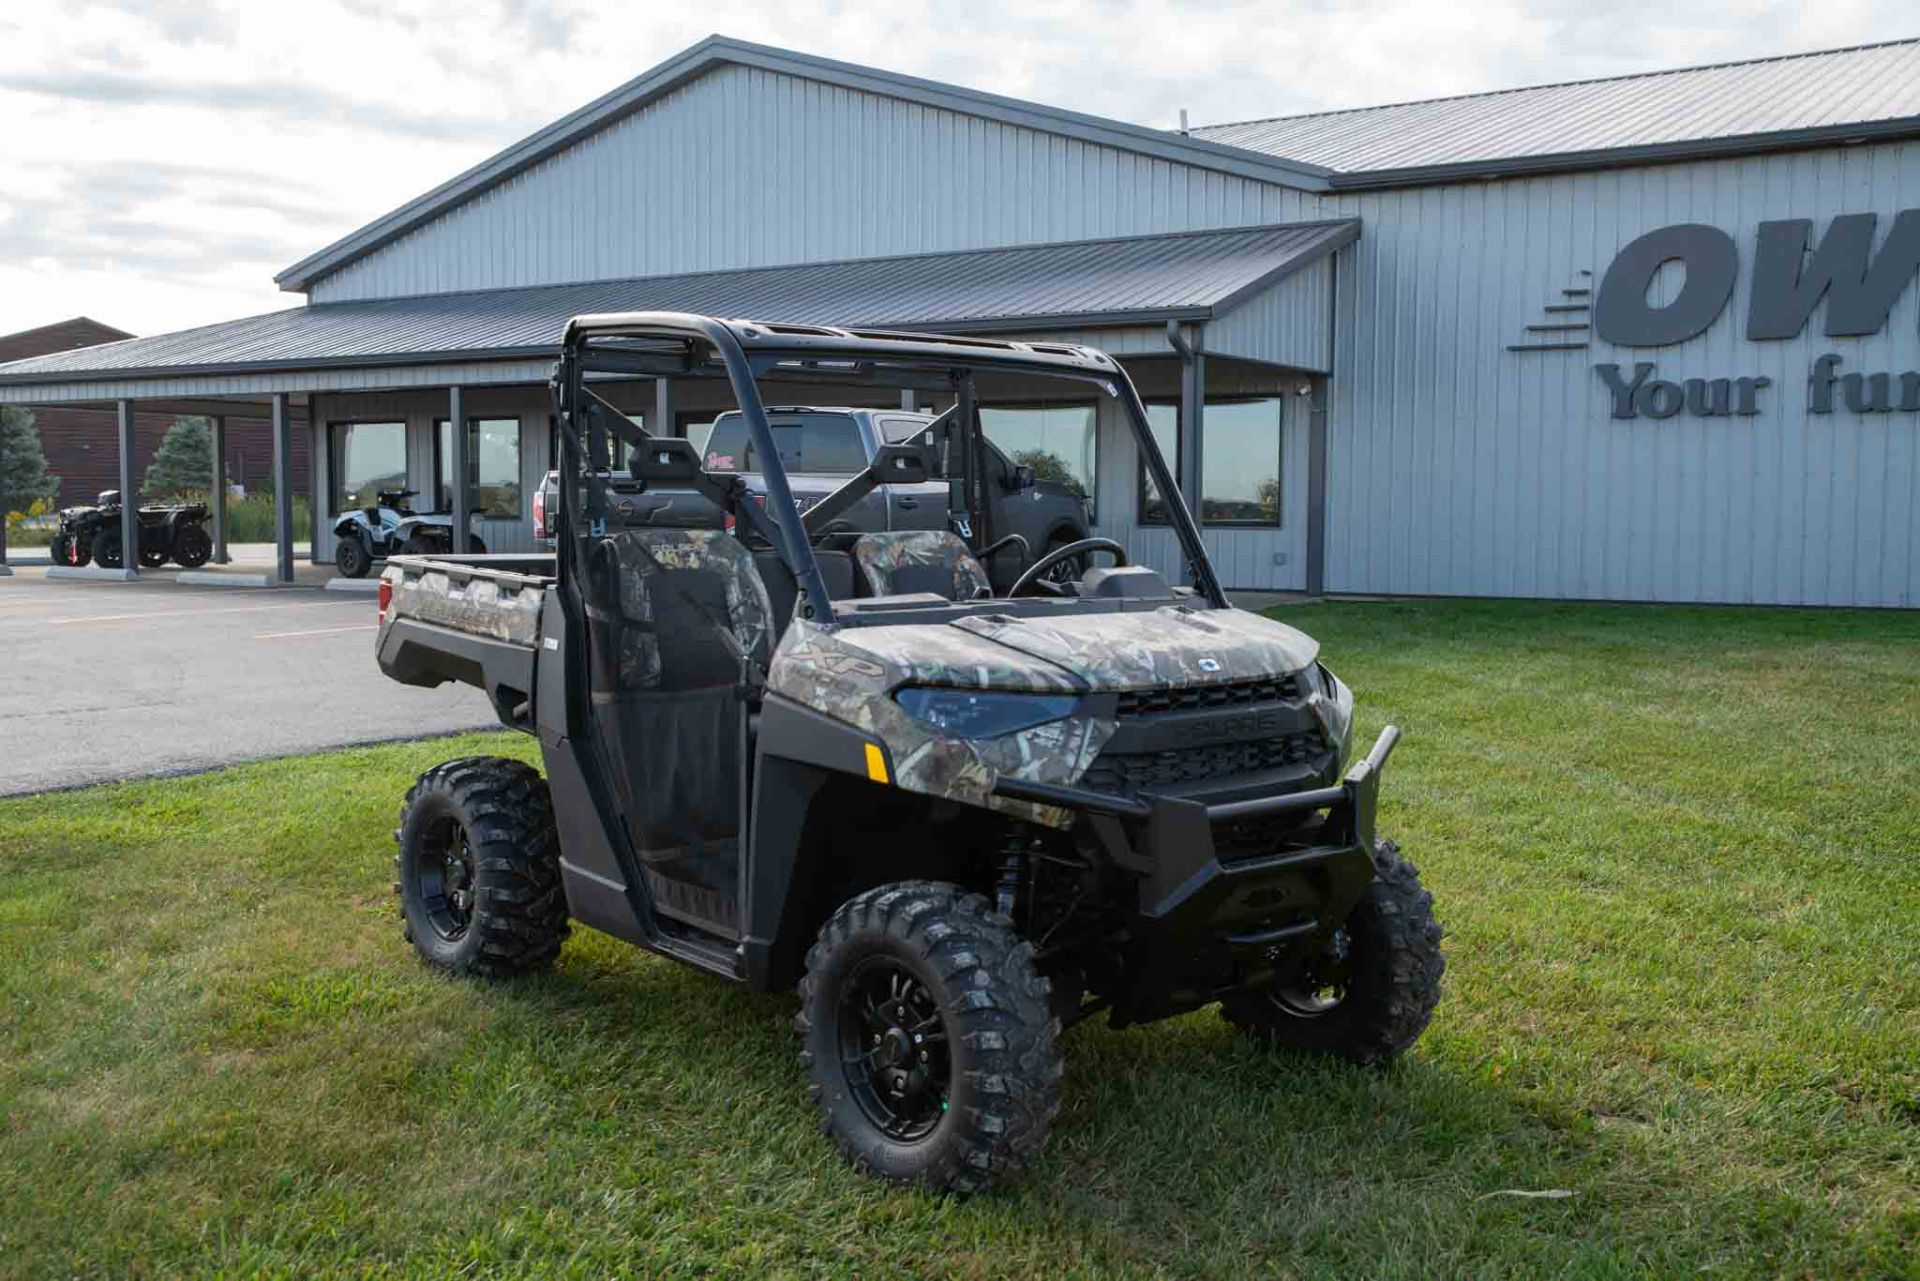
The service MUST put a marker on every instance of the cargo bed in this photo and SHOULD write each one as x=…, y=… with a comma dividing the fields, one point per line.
x=472, y=619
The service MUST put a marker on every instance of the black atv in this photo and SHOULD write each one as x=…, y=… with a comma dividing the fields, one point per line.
x=389, y=528
x=174, y=533
x=957, y=820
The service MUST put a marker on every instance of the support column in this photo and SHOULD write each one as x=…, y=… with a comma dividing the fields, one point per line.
x=457, y=464
x=220, y=556
x=282, y=490
x=1317, y=488
x=129, y=499
x=910, y=400
x=661, y=421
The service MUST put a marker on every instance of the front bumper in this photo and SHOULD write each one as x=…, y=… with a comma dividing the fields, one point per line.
x=1208, y=921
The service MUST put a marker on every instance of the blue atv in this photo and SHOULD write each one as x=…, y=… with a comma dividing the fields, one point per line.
x=391, y=528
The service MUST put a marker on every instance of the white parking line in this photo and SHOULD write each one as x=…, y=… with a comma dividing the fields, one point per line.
x=318, y=631
x=189, y=613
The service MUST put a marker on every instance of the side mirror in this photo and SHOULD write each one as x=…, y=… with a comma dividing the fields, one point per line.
x=901, y=464
x=1021, y=478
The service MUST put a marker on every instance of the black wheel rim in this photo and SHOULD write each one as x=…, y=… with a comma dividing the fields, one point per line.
x=894, y=1049
x=445, y=869
x=1320, y=986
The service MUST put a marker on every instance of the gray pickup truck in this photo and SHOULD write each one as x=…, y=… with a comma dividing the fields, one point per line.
x=822, y=447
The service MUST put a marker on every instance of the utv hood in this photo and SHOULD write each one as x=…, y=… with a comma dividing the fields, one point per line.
x=851, y=674
x=1173, y=646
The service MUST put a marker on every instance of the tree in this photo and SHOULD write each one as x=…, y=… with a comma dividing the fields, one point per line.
x=1048, y=465
x=24, y=479
x=184, y=461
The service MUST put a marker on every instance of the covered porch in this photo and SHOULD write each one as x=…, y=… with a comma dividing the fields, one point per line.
x=1227, y=335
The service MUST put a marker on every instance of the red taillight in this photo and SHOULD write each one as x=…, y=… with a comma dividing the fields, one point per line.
x=386, y=596
x=540, y=513
x=726, y=522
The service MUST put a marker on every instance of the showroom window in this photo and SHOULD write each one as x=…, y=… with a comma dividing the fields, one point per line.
x=1240, y=467
x=363, y=459
x=493, y=466
x=1058, y=440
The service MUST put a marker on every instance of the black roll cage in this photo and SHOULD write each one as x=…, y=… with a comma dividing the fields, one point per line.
x=675, y=345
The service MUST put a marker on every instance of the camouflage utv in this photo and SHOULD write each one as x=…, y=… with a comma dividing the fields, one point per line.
x=958, y=822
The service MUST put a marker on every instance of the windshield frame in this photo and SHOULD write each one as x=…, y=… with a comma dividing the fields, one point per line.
x=679, y=345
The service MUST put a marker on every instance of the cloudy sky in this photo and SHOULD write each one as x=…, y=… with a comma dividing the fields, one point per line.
x=161, y=159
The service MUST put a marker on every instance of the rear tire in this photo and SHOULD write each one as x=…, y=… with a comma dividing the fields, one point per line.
x=192, y=547
x=152, y=557
x=478, y=871
x=351, y=557
x=972, y=1102
x=1386, y=986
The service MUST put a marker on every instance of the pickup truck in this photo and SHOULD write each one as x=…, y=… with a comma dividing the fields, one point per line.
x=822, y=447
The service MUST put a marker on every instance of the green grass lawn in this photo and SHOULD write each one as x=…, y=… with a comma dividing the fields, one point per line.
x=1675, y=852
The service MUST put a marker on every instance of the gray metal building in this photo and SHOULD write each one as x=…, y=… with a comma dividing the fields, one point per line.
x=1648, y=338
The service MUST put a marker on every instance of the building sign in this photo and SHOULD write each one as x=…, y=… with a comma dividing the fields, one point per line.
x=1791, y=275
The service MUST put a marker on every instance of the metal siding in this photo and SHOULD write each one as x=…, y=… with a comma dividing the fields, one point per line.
x=1736, y=100
x=1457, y=467
x=812, y=172
x=1285, y=325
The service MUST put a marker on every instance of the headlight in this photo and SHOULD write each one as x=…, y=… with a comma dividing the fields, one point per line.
x=1334, y=702
x=965, y=713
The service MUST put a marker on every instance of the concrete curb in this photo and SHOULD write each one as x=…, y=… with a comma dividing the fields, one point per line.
x=6, y=571
x=94, y=572
x=212, y=578
x=368, y=586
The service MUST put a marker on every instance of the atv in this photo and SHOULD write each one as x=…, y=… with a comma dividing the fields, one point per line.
x=177, y=533
x=957, y=821
x=390, y=527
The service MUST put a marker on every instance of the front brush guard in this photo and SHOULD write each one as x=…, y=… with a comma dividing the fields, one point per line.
x=1191, y=897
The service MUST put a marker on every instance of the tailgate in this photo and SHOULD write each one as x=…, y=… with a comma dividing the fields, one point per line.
x=498, y=600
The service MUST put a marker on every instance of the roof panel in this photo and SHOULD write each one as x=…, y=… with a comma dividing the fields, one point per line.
x=1032, y=287
x=1867, y=85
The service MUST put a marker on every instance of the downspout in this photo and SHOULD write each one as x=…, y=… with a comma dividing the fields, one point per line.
x=1193, y=400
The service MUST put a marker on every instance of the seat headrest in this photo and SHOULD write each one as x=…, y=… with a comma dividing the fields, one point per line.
x=665, y=459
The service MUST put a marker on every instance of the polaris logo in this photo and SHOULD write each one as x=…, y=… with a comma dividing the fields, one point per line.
x=1267, y=724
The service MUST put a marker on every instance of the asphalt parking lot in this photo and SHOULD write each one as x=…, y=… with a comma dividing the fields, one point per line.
x=103, y=681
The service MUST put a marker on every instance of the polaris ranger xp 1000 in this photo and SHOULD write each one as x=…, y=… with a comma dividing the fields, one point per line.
x=958, y=821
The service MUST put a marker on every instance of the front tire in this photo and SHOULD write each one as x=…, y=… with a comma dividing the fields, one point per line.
x=106, y=548
x=192, y=547
x=68, y=550
x=351, y=557
x=929, y=1039
x=1370, y=995
x=478, y=871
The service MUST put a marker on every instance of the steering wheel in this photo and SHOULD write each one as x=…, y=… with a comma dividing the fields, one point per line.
x=1038, y=569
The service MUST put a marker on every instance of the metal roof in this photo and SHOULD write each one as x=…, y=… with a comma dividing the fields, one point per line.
x=1133, y=280
x=1866, y=91
x=716, y=51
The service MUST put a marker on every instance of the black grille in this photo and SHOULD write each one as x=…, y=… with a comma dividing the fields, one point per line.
x=1135, y=772
x=1147, y=702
